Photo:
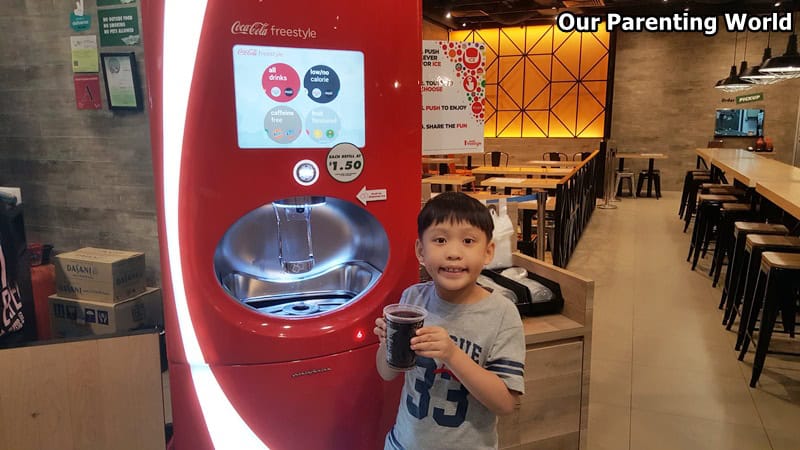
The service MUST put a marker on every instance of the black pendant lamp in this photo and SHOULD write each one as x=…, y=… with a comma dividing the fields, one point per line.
x=754, y=74
x=733, y=83
x=787, y=65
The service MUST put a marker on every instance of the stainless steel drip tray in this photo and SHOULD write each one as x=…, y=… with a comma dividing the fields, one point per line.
x=293, y=296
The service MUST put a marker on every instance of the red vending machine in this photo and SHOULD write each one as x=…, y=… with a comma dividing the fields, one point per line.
x=286, y=148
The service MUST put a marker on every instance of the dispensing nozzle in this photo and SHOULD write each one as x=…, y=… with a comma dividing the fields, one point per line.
x=295, y=250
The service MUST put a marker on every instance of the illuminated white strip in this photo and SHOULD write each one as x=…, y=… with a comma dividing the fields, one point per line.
x=183, y=21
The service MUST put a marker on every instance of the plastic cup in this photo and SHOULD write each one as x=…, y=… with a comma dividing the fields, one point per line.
x=402, y=322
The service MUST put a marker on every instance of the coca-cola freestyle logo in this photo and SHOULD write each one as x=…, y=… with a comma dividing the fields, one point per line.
x=267, y=29
x=255, y=28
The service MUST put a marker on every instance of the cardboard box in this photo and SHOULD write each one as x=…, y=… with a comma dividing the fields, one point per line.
x=73, y=318
x=99, y=274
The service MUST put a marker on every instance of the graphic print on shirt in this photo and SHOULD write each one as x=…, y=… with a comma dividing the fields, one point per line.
x=456, y=395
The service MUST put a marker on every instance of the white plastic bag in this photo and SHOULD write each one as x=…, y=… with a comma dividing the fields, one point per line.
x=504, y=237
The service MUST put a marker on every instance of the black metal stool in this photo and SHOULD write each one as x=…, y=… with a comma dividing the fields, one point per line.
x=646, y=175
x=741, y=302
x=729, y=213
x=781, y=273
x=691, y=181
x=707, y=213
x=733, y=277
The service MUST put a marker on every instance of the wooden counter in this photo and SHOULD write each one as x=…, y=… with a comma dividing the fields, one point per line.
x=87, y=394
x=553, y=413
x=522, y=170
x=522, y=183
x=784, y=194
x=710, y=154
x=749, y=171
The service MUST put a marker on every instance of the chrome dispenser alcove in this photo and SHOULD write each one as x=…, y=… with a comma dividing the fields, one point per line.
x=301, y=256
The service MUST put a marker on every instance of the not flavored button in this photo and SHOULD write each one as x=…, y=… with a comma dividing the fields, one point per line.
x=323, y=125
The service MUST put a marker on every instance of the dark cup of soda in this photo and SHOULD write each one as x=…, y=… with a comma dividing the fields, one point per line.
x=402, y=322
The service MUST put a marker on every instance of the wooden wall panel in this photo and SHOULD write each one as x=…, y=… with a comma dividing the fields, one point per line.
x=95, y=394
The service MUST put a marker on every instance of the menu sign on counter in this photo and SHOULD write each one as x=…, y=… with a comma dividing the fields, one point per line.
x=453, y=91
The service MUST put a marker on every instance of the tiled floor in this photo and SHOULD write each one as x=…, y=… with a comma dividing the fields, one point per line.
x=664, y=372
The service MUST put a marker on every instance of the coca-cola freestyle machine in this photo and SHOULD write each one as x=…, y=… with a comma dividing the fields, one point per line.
x=286, y=147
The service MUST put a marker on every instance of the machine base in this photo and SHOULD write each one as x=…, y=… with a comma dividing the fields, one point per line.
x=333, y=402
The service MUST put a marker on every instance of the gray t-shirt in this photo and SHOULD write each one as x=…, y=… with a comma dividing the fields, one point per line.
x=436, y=411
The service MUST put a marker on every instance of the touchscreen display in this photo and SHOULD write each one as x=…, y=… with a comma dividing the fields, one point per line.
x=298, y=97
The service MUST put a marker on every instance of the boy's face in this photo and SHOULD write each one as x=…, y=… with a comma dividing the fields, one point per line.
x=454, y=253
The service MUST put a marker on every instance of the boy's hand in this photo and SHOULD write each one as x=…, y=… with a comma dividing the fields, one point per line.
x=380, y=330
x=433, y=342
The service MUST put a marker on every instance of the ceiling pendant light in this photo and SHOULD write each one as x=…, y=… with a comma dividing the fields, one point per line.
x=733, y=83
x=787, y=65
x=754, y=74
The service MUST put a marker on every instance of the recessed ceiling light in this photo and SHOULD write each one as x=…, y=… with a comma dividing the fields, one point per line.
x=448, y=15
x=777, y=4
x=464, y=24
x=686, y=9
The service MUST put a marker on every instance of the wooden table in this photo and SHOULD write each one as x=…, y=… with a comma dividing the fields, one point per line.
x=441, y=161
x=750, y=171
x=538, y=185
x=541, y=162
x=784, y=194
x=651, y=157
x=710, y=154
x=522, y=170
x=456, y=181
x=508, y=183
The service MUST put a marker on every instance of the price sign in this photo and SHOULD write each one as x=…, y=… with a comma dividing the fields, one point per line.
x=345, y=162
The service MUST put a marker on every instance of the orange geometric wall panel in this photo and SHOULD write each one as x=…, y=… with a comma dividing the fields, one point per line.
x=542, y=82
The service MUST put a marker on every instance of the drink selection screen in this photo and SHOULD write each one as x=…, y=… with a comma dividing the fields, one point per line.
x=298, y=97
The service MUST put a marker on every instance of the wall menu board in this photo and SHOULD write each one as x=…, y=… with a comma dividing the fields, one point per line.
x=453, y=92
x=298, y=97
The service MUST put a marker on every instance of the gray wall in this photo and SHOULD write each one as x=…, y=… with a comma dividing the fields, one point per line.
x=86, y=176
x=664, y=99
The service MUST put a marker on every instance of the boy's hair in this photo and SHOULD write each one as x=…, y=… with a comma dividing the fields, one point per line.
x=455, y=207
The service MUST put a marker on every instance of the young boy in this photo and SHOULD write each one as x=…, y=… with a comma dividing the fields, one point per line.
x=471, y=351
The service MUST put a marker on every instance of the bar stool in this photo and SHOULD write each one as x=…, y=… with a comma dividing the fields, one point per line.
x=693, y=204
x=742, y=300
x=706, y=214
x=646, y=175
x=729, y=213
x=691, y=181
x=624, y=175
x=781, y=274
x=726, y=190
x=733, y=277
x=721, y=188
